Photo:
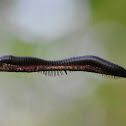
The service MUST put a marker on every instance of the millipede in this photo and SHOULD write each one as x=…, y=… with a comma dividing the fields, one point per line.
x=87, y=63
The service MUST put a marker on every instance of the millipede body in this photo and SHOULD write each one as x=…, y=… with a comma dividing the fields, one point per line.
x=87, y=63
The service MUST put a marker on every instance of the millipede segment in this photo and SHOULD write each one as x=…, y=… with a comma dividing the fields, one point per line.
x=87, y=63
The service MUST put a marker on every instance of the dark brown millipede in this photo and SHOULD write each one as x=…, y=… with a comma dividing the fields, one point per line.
x=87, y=63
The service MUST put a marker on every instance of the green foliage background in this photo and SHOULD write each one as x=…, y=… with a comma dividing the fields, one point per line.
x=33, y=99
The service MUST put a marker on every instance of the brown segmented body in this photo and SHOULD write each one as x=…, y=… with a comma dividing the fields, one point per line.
x=90, y=63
